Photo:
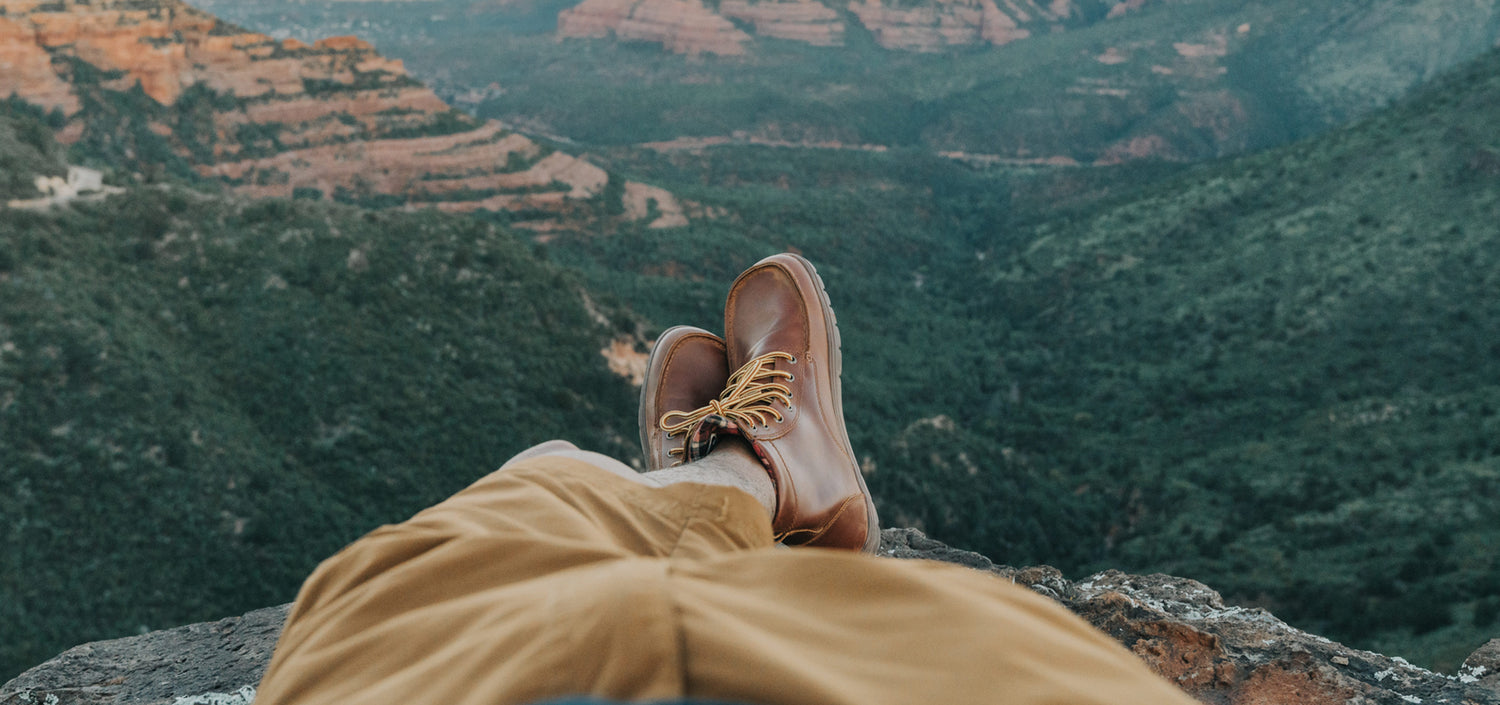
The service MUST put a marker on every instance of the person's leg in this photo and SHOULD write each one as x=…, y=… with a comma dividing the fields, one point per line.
x=837, y=628
x=732, y=464
x=544, y=578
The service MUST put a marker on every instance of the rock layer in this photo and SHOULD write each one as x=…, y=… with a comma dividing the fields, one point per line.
x=688, y=27
x=942, y=24
x=1220, y=654
x=284, y=118
x=682, y=26
x=26, y=68
x=797, y=20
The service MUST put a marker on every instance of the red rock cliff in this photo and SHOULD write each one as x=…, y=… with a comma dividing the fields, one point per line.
x=682, y=26
x=287, y=118
x=690, y=27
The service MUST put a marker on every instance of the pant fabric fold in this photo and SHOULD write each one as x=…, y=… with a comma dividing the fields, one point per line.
x=556, y=578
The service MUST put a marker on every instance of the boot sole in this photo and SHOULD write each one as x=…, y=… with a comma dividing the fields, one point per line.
x=836, y=364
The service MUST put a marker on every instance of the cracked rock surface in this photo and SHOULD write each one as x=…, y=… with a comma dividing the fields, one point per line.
x=1220, y=654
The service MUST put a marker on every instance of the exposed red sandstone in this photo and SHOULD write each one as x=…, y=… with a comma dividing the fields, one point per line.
x=626, y=359
x=688, y=27
x=936, y=25
x=26, y=68
x=798, y=20
x=167, y=46
x=639, y=199
x=681, y=26
x=334, y=116
x=358, y=104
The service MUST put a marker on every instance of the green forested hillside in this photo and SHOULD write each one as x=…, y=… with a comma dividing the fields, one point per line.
x=201, y=398
x=27, y=150
x=1276, y=375
x=1288, y=369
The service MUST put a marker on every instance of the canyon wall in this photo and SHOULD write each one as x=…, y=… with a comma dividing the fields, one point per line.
x=690, y=27
x=682, y=26
x=283, y=118
x=798, y=20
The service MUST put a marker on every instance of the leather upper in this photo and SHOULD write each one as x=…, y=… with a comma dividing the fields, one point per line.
x=687, y=369
x=779, y=305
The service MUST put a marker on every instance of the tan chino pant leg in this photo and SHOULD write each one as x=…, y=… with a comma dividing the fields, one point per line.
x=545, y=579
x=554, y=578
x=837, y=628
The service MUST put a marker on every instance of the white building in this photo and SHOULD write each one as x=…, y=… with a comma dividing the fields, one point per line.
x=79, y=181
x=58, y=190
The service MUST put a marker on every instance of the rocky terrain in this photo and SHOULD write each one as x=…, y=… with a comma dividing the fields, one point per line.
x=1004, y=82
x=690, y=27
x=277, y=118
x=682, y=26
x=801, y=20
x=1219, y=654
x=1243, y=375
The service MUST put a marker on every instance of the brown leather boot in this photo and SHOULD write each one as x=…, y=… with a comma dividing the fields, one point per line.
x=785, y=399
x=687, y=370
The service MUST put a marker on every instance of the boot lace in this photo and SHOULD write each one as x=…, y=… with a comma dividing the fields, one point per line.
x=746, y=400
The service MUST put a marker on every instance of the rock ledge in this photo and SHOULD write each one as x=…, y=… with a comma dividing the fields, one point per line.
x=1220, y=654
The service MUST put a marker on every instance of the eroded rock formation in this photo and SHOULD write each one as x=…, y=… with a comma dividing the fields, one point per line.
x=682, y=26
x=798, y=20
x=689, y=27
x=26, y=67
x=940, y=24
x=1220, y=654
x=283, y=118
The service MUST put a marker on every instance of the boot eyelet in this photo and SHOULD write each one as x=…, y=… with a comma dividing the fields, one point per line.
x=791, y=378
x=793, y=359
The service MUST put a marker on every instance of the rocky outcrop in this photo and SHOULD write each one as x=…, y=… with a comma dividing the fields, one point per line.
x=26, y=68
x=797, y=20
x=1220, y=654
x=213, y=657
x=643, y=201
x=681, y=26
x=626, y=359
x=1483, y=666
x=135, y=38
x=166, y=47
x=689, y=27
x=429, y=171
x=934, y=25
x=285, y=118
x=940, y=24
